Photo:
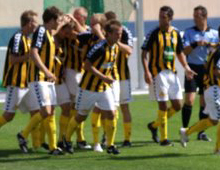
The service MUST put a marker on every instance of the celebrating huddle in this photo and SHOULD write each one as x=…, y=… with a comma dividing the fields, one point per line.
x=71, y=65
x=84, y=68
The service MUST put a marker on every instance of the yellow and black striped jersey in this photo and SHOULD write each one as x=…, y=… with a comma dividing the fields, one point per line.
x=44, y=42
x=122, y=61
x=78, y=49
x=162, y=47
x=213, y=63
x=60, y=58
x=16, y=74
x=102, y=57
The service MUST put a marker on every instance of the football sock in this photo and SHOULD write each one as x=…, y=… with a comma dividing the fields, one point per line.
x=34, y=121
x=80, y=132
x=156, y=123
x=170, y=112
x=35, y=136
x=127, y=131
x=186, y=114
x=2, y=121
x=163, y=125
x=199, y=126
x=96, y=123
x=50, y=128
x=111, y=126
x=63, y=123
x=71, y=128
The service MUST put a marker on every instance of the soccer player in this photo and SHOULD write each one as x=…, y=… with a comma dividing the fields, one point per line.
x=163, y=44
x=126, y=47
x=212, y=101
x=197, y=40
x=42, y=78
x=15, y=75
x=95, y=85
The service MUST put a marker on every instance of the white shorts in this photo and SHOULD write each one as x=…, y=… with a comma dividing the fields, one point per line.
x=125, y=91
x=166, y=86
x=45, y=92
x=63, y=95
x=86, y=100
x=21, y=98
x=116, y=92
x=72, y=79
x=212, y=101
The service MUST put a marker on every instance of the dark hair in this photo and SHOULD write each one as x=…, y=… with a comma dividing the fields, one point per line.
x=110, y=15
x=203, y=9
x=111, y=25
x=51, y=13
x=169, y=11
x=70, y=25
x=26, y=17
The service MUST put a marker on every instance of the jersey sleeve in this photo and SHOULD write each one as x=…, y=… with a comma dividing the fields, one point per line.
x=16, y=43
x=84, y=37
x=96, y=51
x=186, y=38
x=38, y=38
x=127, y=37
x=148, y=42
x=179, y=47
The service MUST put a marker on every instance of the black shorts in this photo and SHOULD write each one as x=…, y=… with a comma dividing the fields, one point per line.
x=197, y=81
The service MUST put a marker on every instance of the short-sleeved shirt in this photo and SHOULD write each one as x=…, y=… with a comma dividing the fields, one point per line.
x=16, y=74
x=163, y=48
x=198, y=55
x=44, y=42
x=102, y=57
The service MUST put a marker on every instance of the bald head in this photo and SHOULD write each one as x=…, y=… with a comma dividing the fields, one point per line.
x=81, y=15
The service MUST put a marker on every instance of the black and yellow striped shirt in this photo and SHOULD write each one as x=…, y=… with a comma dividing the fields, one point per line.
x=102, y=57
x=78, y=49
x=162, y=47
x=16, y=74
x=44, y=42
x=60, y=58
x=213, y=63
x=122, y=61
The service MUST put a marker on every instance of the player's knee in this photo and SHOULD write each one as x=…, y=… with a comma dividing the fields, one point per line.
x=9, y=116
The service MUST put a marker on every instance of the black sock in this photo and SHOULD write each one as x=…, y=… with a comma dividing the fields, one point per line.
x=186, y=114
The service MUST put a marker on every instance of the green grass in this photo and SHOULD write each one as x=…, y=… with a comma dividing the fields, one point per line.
x=143, y=155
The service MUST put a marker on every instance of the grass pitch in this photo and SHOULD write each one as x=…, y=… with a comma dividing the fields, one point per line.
x=143, y=155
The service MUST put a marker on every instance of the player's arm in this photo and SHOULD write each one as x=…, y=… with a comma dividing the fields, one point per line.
x=89, y=67
x=126, y=42
x=98, y=31
x=147, y=73
x=189, y=73
x=125, y=48
x=37, y=60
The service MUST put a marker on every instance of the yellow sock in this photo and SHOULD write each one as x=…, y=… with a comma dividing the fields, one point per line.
x=111, y=126
x=2, y=121
x=34, y=121
x=50, y=128
x=72, y=126
x=218, y=138
x=170, y=112
x=199, y=126
x=64, y=120
x=117, y=114
x=42, y=132
x=163, y=125
x=156, y=123
x=35, y=136
x=127, y=131
x=73, y=112
x=96, y=123
x=80, y=132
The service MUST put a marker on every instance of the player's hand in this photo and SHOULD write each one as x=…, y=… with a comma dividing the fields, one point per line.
x=108, y=80
x=51, y=77
x=148, y=78
x=190, y=74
